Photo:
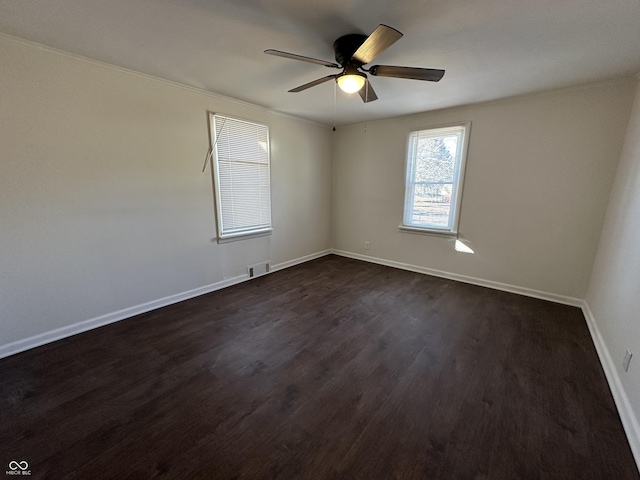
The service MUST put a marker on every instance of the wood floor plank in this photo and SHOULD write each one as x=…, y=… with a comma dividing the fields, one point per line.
x=333, y=369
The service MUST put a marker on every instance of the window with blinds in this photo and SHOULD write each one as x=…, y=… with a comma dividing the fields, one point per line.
x=241, y=169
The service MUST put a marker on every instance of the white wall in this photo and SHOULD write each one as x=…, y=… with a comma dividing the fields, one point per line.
x=539, y=172
x=103, y=205
x=614, y=293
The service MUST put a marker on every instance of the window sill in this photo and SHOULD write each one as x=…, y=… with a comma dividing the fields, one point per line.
x=427, y=231
x=233, y=237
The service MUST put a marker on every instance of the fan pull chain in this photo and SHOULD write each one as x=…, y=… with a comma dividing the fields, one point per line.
x=335, y=88
x=366, y=102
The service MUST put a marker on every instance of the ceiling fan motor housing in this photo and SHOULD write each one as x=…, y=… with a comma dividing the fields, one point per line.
x=346, y=46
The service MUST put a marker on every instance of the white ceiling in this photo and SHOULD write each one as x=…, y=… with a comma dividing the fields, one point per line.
x=489, y=48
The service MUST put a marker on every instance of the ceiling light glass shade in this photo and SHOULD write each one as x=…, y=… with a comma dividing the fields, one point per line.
x=350, y=83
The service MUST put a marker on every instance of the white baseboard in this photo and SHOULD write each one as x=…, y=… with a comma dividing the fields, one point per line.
x=297, y=261
x=575, y=302
x=627, y=416
x=69, y=330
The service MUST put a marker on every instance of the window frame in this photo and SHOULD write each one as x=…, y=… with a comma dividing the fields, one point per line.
x=458, y=183
x=223, y=237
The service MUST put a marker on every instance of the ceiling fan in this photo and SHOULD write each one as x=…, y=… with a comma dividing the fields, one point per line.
x=352, y=52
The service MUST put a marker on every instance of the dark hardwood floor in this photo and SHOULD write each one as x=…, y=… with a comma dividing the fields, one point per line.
x=331, y=369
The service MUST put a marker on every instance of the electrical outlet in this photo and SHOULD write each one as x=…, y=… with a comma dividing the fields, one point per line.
x=627, y=359
x=367, y=245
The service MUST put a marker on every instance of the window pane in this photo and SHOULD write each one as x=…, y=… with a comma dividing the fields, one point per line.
x=436, y=158
x=432, y=204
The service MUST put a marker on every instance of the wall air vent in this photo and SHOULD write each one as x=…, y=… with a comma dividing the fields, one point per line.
x=258, y=269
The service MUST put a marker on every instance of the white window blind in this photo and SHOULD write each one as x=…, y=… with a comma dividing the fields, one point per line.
x=242, y=176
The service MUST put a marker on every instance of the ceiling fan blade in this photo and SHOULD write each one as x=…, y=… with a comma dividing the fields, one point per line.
x=367, y=93
x=293, y=56
x=376, y=43
x=312, y=84
x=428, y=74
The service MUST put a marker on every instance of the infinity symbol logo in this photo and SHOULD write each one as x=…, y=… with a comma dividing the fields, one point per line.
x=23, y=465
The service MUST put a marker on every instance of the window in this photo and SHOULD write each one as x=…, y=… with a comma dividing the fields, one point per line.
x=435, y=171
x=242, y=178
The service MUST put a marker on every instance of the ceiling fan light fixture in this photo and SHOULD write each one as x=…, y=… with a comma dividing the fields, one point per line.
x=350, y=83
x=354, y=50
